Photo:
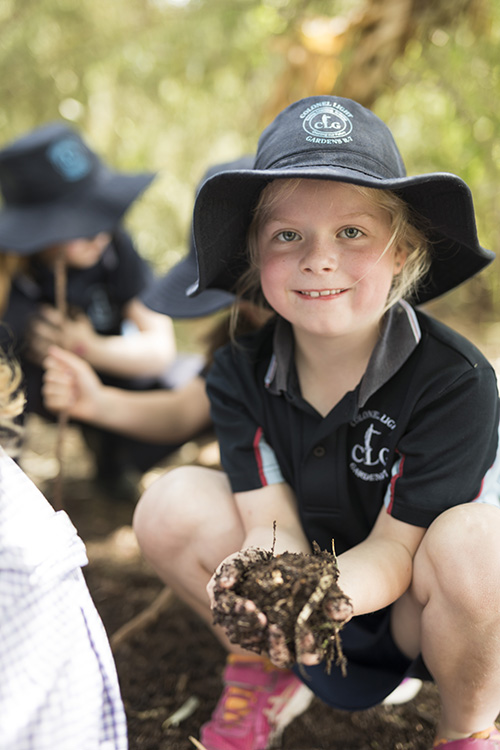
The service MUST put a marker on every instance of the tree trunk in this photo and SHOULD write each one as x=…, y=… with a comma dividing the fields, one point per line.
x=352, y=56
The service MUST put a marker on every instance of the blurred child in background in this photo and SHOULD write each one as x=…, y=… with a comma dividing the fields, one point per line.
x=165, y=416
x=62, y=205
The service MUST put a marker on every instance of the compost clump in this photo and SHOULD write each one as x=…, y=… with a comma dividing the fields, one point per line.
x=288, y=606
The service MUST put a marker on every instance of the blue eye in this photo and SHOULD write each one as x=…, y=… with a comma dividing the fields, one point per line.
x=351, y=233
x=288, y=236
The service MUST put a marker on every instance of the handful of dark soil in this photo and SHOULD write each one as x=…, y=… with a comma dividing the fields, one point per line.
x=288, y=606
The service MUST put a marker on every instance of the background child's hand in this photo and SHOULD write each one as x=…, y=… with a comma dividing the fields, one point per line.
x=70, y=384
x=50, y=328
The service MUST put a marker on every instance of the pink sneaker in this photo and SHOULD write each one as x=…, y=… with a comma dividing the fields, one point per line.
x=487, y=740
x=258, y=702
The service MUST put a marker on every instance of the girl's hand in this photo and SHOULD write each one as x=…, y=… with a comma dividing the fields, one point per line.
x=70, y=384
x=221, y=594
x=229, y=571
x=288, y=607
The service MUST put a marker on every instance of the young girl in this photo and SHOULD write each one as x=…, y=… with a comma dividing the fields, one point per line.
x=63, y=205
x=350, y=416
x=59, y=686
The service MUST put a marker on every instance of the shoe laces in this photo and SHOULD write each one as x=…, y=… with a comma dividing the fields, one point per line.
x=237, y=705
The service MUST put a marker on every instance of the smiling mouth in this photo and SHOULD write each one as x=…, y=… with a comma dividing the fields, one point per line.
x=322, y=293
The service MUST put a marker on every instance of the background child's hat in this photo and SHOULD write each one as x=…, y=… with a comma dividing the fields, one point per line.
x=330, y=138
x=55, y=188
x=168, y=295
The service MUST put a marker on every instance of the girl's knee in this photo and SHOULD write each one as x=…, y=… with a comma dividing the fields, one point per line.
x=162, y=506
x=459, y=552
x=464, y=530
x=177, y=505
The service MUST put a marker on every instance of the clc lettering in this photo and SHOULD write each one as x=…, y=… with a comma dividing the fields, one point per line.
x=365, y=454
x=325, y=124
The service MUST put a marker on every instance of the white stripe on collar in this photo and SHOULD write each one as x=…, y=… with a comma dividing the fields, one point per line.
x=412, y=319
x=271, y=371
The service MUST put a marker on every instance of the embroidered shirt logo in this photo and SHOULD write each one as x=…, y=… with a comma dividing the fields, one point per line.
x=366, y=454
x=369, y=455
x=70, y=159
x=327, y=122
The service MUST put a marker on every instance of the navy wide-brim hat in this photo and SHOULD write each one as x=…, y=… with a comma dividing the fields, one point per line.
x=55, y=189
x=167, y=295
x=331, y=138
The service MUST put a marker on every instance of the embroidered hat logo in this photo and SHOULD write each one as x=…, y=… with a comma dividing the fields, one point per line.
x=69, y=158
x=327, y=122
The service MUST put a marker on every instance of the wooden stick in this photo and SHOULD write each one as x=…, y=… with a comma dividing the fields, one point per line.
x=148, y=616
x=197, y=743
x=63, y=417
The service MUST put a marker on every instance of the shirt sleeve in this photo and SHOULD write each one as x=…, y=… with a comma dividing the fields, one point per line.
x=448, y=450
x=248, y=460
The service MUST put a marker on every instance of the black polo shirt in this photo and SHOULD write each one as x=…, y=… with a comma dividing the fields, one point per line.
x=418, y=434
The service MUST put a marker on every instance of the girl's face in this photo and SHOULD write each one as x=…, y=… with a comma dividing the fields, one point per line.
x=79, y=253
x=322, y=262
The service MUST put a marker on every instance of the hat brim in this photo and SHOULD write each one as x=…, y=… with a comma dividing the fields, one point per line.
x=224, y=207
x=167, y=295
x=98, y=207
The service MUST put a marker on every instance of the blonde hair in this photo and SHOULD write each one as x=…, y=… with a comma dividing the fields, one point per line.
x=408, y=235
x=12, y=401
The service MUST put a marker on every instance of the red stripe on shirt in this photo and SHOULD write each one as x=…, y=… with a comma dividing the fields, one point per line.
x=258, y=456
x=393, y=483
x=480, y=489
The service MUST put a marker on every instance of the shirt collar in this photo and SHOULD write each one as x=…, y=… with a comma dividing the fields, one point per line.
x=399, y=337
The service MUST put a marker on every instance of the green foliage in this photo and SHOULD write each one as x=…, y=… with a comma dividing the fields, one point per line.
x=442, y=107
x=177, y=85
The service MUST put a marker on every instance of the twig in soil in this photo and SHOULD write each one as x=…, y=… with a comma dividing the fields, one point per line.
x=151, y=713
x=184, y=712
x=197, y=743
x=148, y=616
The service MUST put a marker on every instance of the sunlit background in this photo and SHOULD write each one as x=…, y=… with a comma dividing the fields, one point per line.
x=178, y=85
